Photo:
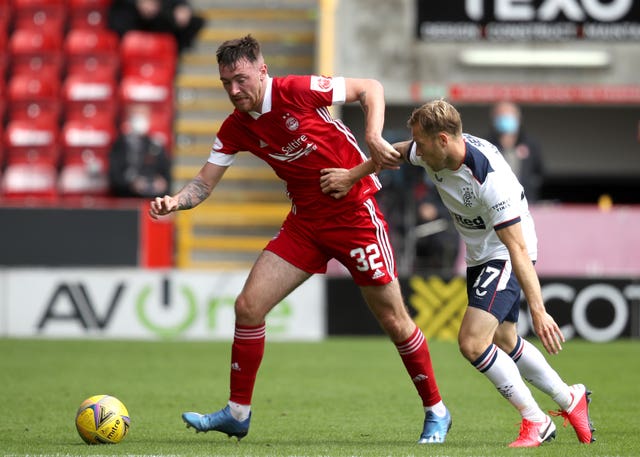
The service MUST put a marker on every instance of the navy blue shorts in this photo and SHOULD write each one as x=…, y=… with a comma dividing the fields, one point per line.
x=494, y=288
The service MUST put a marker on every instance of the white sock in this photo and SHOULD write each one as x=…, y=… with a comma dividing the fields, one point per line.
x=502, y=371
x=535, y=369
x=238, y=411
x=438, y=409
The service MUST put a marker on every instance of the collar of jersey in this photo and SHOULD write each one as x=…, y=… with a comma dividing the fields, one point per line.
x=266, y=100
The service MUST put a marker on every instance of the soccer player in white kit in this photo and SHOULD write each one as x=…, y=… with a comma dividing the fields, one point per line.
x=491, y=214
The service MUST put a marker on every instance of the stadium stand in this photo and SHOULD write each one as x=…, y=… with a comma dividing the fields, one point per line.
x=149, y=64
x=32, y=97
x=68, y=77
x=49, y=15
x=88, y=14
x=36, y=51
x=5, y=18
x=32, y=154
x=87, y=97
x=153, y=56
x=231, y=234
x=61, y=83
x=92, y=52
x=4, y=56
x=85, y=154
x=159, y=96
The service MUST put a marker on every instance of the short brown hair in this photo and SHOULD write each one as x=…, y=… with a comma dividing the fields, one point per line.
x=437, y=116
x=231, y=51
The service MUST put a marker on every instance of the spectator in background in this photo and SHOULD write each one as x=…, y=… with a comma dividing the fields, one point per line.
x=139, y=166
x=520, y=150
x=165, y=16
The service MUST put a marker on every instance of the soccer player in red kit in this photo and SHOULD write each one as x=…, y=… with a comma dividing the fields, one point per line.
x=285, y=122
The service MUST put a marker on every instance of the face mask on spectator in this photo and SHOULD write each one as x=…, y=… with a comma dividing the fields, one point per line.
x=139, y=124
x=506, y=123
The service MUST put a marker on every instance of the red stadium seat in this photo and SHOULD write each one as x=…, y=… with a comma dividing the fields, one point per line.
x=86, y=97
x=5, y=18
x=93, y=52
x=161, y=124
x=5, y=30
x=49, y=15
x=23, y=180
x=85, y=158
x=36, y=52
x=28, y=141
x=31, y=98
x=161, y=127
x=149, y=55
x=3, y=106
x=1, y=146
x=137, y=90
x=80, y=135
x=88, y=14
x=32, y=156
x=4, y=56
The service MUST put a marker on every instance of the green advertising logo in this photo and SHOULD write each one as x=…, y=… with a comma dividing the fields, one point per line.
x=277, y=320
x=171, y=331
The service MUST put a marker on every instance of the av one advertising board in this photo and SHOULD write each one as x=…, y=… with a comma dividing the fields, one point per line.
x=145, y=304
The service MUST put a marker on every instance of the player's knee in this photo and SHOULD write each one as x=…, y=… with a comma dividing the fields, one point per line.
x=246, y=312
x=394, y=326
x=470, y=348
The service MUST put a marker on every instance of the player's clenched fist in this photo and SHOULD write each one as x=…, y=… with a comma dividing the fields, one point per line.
x=162, y=206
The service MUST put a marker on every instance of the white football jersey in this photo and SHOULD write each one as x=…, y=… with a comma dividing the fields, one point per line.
x=482, y=195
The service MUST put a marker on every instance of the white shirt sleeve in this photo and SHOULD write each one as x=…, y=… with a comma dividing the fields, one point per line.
x=501, y=197
x=412, y=156
x=339, y=90
x=219, y=158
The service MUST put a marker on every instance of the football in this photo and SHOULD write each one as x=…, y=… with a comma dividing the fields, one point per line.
x=102, y=419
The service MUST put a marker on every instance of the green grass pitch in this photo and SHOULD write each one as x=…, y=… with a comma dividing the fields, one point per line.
x=342, y=397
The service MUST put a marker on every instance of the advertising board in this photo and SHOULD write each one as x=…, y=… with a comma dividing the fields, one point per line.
x=528, y=20
x=145, y=304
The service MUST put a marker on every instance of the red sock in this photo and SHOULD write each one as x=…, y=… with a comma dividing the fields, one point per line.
x=415, y=355
x=246, y=354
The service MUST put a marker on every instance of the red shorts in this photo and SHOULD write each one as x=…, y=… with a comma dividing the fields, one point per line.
x=358, y=239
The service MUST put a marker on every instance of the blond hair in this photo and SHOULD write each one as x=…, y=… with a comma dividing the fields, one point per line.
x=437, y=116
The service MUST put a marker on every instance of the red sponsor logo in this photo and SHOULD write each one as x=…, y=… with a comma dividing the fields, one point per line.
x=532, y=93
x=324, y=83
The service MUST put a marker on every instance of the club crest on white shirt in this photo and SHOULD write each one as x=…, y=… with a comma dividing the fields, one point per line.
x=467, y=196
x=321, y=83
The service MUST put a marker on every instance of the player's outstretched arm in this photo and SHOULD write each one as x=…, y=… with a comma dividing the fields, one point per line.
x=370, y=94
x=543, y=324
x=338, y=181
x=192, y=194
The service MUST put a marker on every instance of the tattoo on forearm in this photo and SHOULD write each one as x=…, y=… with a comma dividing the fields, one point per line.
x=193, y=194
x=362, y=96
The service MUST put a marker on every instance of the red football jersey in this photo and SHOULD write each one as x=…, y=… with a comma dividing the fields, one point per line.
x=296, y=135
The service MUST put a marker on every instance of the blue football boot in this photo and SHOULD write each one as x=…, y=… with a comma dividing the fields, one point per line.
x=435, y=428
x=220, y=421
